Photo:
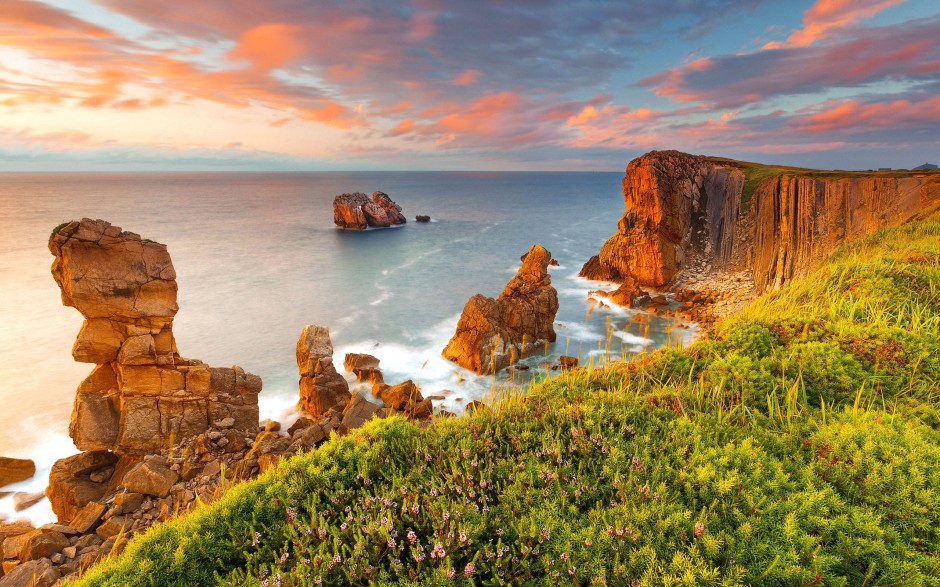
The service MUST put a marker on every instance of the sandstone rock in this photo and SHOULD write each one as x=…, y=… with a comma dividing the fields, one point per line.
x=42, y=543
x=142, y=396
x=422, y=218
x=15, y=470
x=150, y=477
x=321, y=387
x=347, y=211
x=129, y=500
x=36, y=573
x=16, y=528
x=87, y=518
x=689, y=213
x=358, y=412
x=392, y=210
x=356, y=361
x=112, y=527
x=493, y=334
x=403, y=397
x=300, y=425
x=70, y=487
x=358, y=212
x=567, y=362
x=23, y=500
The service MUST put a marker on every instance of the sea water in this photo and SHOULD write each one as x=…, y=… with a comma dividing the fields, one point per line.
x=257, y=257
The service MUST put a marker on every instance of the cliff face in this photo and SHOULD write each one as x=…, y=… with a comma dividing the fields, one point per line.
x=685, y=212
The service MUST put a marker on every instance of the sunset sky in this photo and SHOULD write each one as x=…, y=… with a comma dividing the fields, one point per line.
x=465, y=84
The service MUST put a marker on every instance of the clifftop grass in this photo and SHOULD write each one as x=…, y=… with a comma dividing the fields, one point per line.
x=798, y=445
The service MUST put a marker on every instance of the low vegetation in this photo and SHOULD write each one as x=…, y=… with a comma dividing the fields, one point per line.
x=799, y=444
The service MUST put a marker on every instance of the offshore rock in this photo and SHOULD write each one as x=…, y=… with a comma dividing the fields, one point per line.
x=493, y=334
x=392, y=210
x=689, y=223
x=142, y=395
x=356, y=211
x=321, y=387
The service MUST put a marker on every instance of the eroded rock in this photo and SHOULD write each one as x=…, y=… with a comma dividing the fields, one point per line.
x=321, y=387
x=356, y=211
x=142, y=394
x=493, y=334
x=15, y=470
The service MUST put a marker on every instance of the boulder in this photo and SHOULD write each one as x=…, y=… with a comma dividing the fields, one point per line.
x=70, y=486
x=422, y=218
x=41, y=543
x=87, y=518
x=142, y=396
x=493, y=334
x=15, y=470
x=321, y=387
x=15, y=528
x=568, y=362
x=36, y=573
x=404, y=397
x=356, y=361
x=150, y=477
x=358, y=411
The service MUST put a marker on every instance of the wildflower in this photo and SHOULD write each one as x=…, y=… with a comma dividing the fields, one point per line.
x=343, y=526
x=412, y=537
x=699, y=529
x=463, y=536
x=438, y=551
x=450, y=573
x=391, y=543
x=468, y=570
x=283, y=558
x=256, y=539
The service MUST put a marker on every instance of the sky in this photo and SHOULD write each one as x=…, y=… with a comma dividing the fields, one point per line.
x=465, y=84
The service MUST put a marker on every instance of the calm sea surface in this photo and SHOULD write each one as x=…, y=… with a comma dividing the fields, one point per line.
x=257, y=257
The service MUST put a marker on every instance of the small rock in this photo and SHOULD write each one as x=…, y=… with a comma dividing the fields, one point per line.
x=422, y=218
x=300, y=424
x=568, y=362
x=129, y=500
x=272, y=426
x=112, y=526
x=224, y=423
x=15, y=470
x=42, y=543
x=23, y=500
x=69, y=551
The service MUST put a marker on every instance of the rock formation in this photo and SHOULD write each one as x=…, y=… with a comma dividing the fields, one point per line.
x=687, y=217
x=321, y=387
x=364, y=367
x=142, y=396
x=15, y=470
x=358, y=212
x=493, y=334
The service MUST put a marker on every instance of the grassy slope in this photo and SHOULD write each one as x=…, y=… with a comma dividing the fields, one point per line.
x=799, y=445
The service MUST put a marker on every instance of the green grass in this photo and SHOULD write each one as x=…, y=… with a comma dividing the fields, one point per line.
x=798, y=445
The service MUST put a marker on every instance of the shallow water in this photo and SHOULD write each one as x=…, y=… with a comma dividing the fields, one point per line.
x=257, y=257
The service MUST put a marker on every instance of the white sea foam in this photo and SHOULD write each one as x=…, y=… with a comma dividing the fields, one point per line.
x=44, y=451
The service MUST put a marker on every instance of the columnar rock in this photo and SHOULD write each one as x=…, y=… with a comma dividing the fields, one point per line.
x=321, y=387
x=357, y=211
x=142, y=395
x=492, y=334
x=773, y=224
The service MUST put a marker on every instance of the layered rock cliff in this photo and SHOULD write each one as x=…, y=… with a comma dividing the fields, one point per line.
x=492, y=334
x=771, y=224
x=142, y=396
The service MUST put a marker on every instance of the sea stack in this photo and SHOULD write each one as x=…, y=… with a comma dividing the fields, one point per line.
x=357, y=212
x=142, y=396
x=493, y=334
x=321, y=387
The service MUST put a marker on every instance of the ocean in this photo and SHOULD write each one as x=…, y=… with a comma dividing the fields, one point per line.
x=257, y=257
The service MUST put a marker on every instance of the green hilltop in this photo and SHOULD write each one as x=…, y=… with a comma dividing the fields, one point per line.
x=797, y=444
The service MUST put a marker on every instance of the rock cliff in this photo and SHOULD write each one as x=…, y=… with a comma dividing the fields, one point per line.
x=142, y=395
x=493, y=334
x=356, y=211
x=686, y=216
x=321, y=387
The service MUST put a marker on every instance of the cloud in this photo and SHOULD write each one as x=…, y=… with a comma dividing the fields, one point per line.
x=908, y=52
x=825, y=15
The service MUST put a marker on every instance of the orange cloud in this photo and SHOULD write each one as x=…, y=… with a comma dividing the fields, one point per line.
x=269, y=46
x=855, y=114
x=467, y=77
x=826, y=15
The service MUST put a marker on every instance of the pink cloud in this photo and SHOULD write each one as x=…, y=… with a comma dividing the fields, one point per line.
x=826, y=15
x=857, y=115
